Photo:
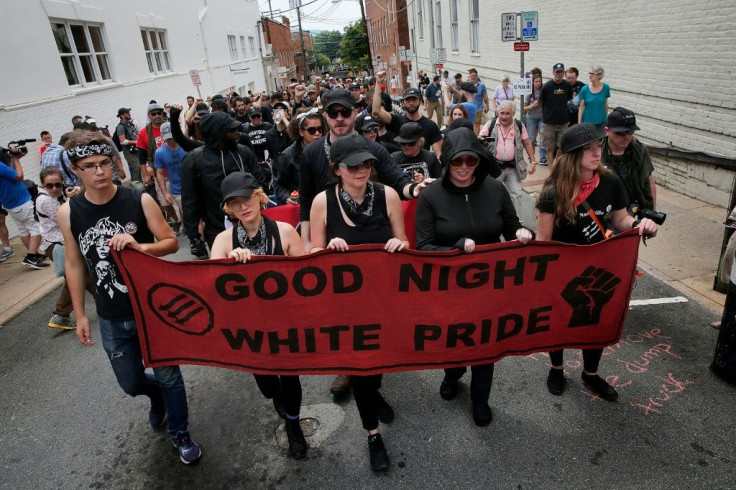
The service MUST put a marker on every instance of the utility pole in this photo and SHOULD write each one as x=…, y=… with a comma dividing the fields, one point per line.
x=305, y=63
x=365, y=28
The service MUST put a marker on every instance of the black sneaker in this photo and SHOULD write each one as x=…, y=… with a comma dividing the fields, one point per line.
x=198, y=248
x=378, y=454
x=600, y=387
x=448, y=388
x=297, y=443
x=385, y=412
x=556, y=381
x=482, y=414
x=33, y=263
x=189, y=451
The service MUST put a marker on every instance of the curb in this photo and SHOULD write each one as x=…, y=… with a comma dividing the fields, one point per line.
x=30, y=300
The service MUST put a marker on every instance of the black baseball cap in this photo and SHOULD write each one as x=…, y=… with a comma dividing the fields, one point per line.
x=558, y=67
x=621, y=120
x=202, y=109
x=368, y=122
x=468, y=87
x=577, y=136
x=409, y=133
x=352, y=150
x=255, y=110
x=123, y=110
x=412, y=92
x=238, y=184
x=338, y=96
x=458, y=75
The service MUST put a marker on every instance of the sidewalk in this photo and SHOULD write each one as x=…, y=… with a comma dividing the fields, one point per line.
x=685, y=254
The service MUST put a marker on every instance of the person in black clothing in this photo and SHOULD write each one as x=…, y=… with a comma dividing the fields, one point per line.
x=202, y=172
x=256, y=130
x=467, y=209
x=370, y=128
x=411, y=102
x=555, y=119
x=304, y=129
x=417, y=162
x=255, y=234
x=242, y=106
x=578, y=188
x=277, y=138
x=354, y=211
x=188, y=143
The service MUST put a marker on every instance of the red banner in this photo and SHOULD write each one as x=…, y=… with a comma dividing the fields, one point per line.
x=368, y=311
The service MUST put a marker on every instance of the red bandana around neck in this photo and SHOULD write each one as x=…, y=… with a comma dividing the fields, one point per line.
x=586, y=188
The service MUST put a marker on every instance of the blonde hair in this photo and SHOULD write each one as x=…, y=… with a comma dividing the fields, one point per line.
x=260, y=195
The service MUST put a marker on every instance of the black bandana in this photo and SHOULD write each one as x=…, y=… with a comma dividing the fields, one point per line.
x=361, y=214
x=79, y=152
x=259, y=244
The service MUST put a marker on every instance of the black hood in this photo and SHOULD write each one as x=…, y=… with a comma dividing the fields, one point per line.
x=463, y=139
x=213, y=126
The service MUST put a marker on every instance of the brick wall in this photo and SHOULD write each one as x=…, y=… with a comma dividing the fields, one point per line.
x=669, y=61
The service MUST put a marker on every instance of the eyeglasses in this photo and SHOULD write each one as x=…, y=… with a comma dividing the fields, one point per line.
x=241, y=202
x=368, y=164
x=156, y=113
x=256, y=116
x=55, y=185
x=593, y=73
x=411, y=143
x=106, y=165
x=313, y=130
x=345, y=113
x=468, y=161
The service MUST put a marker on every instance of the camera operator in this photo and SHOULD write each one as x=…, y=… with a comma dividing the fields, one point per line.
x=629, y=158
x=16, y=200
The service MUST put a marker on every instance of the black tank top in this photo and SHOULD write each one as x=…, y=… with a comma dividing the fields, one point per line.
x=273, y=237
x=92, y=225
x=337, y=227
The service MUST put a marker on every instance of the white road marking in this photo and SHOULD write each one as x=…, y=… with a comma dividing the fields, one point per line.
x=657, y=301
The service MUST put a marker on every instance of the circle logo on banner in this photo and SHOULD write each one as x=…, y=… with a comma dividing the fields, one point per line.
x=181, y=309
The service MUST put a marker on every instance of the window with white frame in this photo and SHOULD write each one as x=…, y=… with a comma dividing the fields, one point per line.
x=242, y=47
x=233, y=48
x=252, y=44
x=438, y=23
x=454, y=28
x=83, y=52
x=420, y=18
x=157, y=51
x=475, y=26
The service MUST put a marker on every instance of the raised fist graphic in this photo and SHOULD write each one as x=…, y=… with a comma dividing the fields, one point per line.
x=587, y=294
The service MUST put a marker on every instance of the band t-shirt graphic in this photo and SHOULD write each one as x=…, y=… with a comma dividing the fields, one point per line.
x=92, y=226
x=607, y=197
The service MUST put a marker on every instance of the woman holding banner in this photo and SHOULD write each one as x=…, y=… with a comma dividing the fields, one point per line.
x=355, y=211
x=579, y=198
x=467, y=209
x=255, y=234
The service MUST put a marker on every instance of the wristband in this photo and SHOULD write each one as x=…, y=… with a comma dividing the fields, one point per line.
x=411, y=190
x=635, y=223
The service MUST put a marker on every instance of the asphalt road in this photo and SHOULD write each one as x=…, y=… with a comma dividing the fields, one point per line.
x=66, y=424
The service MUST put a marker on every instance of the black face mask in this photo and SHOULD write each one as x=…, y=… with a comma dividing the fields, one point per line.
x=226, y=143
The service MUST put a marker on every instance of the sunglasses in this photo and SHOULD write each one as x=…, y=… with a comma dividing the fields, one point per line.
x=368, y=164
x=468, y=161
x=156, y=113
x=256, y=116
x=624, y=133
x=345, y=113
x=411, y=143
x=313, y=130
x=57, y=185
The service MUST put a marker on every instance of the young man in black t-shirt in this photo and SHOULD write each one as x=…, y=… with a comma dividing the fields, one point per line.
x=103, y=218
x=555, y=120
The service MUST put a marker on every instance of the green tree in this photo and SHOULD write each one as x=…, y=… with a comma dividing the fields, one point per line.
x=354, y=46
x=327, y=43
x=322, y=61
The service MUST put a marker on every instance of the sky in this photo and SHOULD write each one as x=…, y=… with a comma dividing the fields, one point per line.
x=317, y=15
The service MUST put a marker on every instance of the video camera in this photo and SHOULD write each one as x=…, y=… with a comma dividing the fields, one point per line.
x=19, y=147
x=642, y=213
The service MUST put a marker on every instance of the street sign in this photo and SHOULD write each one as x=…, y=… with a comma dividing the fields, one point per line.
x=433, y=55
x=439, y=66
x=441, y=55
x=530, y=26
x=508, y=27
x=392, y=62
x=521, y=46
x=409, y=54
x=522, y=86
x=402, y=53
x=194, y=75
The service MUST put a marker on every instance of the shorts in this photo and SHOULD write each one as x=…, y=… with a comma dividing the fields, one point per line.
x=24, y=219
x=159, y=193
x=479, y=116
x=552, y=135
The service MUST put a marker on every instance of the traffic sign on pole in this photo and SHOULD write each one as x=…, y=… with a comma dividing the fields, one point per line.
x=530, y=26
x=508, y=27
x=441, y=55
x=433, y=55
x=194, y=75
x=521, y=46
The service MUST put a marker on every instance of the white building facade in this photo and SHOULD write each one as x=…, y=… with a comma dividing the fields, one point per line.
x=670, y=61
x=90, y=57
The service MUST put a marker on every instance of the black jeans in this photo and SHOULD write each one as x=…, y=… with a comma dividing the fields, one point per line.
x=480, y=381
x=365, y=392
x=289, y=388
x=724, y=359
x=591, y=359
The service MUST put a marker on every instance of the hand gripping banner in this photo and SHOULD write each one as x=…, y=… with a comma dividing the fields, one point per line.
x=367, y=311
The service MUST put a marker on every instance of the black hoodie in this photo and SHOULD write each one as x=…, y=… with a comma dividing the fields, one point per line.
x=447, y=215
x=203, y=170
